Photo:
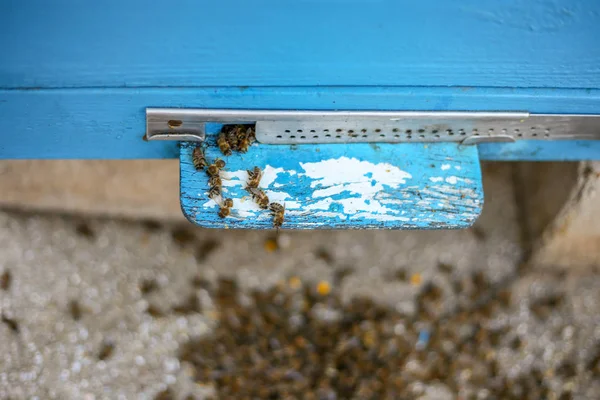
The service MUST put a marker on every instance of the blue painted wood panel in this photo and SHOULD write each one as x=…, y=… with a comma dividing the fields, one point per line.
x=110, y=123
x=178, y=43
x=357, y=186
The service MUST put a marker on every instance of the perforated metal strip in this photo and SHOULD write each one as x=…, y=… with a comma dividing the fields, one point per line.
x=294, y=127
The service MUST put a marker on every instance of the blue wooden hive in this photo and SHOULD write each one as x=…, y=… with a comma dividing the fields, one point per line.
x=76, y=79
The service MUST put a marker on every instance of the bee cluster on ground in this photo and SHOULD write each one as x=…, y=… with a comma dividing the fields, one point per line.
x=235, y=138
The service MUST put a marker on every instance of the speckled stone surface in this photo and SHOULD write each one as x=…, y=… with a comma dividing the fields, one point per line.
x=81, y=308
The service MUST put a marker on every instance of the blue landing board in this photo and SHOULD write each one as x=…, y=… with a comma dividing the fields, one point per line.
x=336, y=186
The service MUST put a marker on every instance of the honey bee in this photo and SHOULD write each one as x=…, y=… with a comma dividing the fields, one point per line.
x=214, y=191
x=215, y=167
x=259, y=197
x=215, y=180
x=224, y=144
x=199, y=159
x=278, y=214
x=255, y=175
x=276, y=208
x=225, y=208
x=244, y=145
x=232, y=138
x=251, y=135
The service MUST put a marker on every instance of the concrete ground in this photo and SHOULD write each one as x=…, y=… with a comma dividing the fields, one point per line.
x=96, y=308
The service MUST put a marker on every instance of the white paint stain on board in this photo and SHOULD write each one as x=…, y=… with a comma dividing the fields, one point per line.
x=343, y=188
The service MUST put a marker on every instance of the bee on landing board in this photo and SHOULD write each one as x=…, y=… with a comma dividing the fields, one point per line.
x=254, y=176
x=223, y=144
x=278, y=212
x=215, y=167
x=199, y=159
x=215, y=180
x=259, y=197
x=225, y=208
x=232, y=138
x=214, y=191
x=245, y=139
x=251, y=135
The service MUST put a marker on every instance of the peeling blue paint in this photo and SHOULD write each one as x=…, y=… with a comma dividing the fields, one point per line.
x=327, y=187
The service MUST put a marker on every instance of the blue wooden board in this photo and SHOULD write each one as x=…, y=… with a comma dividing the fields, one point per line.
x=335, y=186
x=110, y=123
x=182, y=43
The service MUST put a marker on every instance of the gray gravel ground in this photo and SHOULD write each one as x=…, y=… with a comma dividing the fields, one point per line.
x=75, y=308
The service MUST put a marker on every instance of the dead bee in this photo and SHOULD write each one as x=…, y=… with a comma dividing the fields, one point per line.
x=215, y=167
x=106, y=350
x=5, y=280
x=12, y=324
x=259, y=197
x=225, y=208
x=199, y=159
x=224, y=144
x=75, y=310
x=255, y=175
x=278, y=214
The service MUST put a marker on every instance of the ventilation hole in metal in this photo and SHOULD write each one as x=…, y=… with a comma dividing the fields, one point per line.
x=299, y=131
x=434, y=131
x=409, y=137
x=534, y=134
x=520, y=135
x=422, y=136
x=409, y=131
x=364, y=136
x=325, y=130
x=363, y=130
x=338, y=130
x=293, y=137
x=437, y=136
x=421, y=130
x=302, y=137
x=279, y=136
x=546, y=135
x=287, y=131
x=382, y=135
x=517, y=131
x=377, y=130
x=396, y=136
x=474, y=130
x=316, y=137
x=395, y=130
x=312, y=131
x=350, y=131
x=338, y=137
x=328, y=135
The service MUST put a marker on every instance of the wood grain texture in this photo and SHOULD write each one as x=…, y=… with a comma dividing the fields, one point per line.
x=110, y=123
x=357, y=186
x=512, y=43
